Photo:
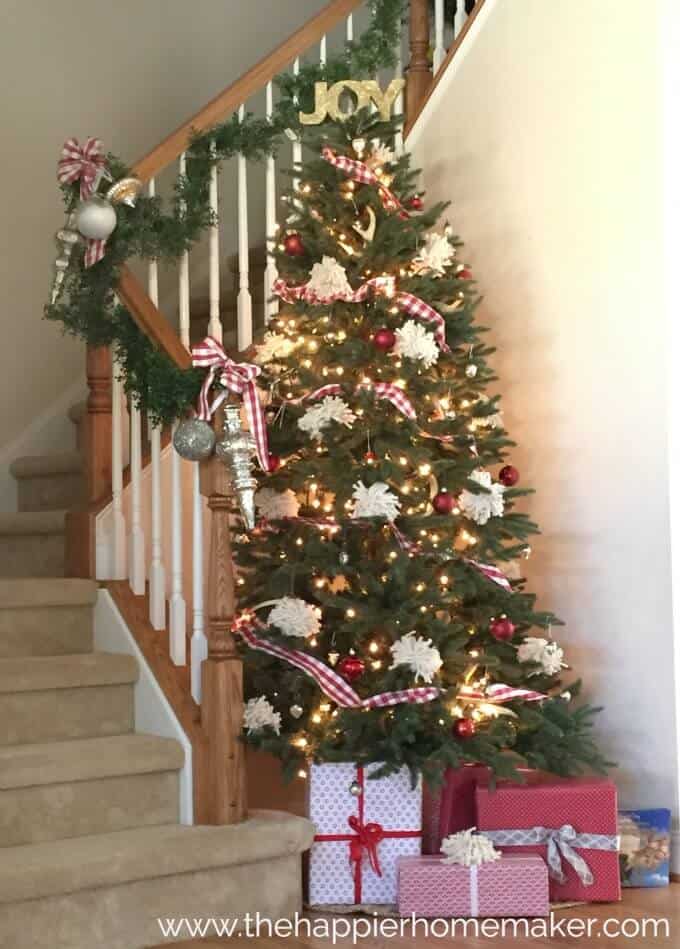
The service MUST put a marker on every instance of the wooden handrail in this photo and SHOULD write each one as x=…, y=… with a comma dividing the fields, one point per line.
x=236, y=94
x=149, y=318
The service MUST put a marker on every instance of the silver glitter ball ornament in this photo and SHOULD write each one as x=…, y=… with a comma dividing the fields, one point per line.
x=96, y=218
x=355, y=789
x=296, y=711
x=471, y=370
x=194, y=439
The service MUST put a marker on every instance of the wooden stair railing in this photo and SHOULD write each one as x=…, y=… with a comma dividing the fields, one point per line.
x=216, y=675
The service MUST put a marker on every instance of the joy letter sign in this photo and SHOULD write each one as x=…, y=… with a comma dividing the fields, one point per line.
x=365, y=90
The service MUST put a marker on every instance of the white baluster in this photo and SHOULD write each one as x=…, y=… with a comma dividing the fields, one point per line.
x=118, y=567
x=136, y=541
x=215, y=323
x=270, y=274
x=460, y=17
x=323, y=51
x=199, y=643
x=439, y=51
x=297, y=144
x=178, y=608
x=399, y=105
x=157, y=569
x=350, y=28
x=244, y=302
x=184, y=314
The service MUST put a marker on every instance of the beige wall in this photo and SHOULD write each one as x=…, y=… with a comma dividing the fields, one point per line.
x=547, y=138
x=128, y=72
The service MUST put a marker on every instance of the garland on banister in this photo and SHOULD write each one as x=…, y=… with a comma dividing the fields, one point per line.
x=146, y=228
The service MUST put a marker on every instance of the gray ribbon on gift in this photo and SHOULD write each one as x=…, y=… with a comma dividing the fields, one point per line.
x=560, y=842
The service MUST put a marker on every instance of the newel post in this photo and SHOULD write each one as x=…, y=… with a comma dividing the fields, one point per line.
x=419, y=75
x=80, y=524
x=222, y=671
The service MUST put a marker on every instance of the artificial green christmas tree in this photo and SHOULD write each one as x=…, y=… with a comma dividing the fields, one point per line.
x=378, y=618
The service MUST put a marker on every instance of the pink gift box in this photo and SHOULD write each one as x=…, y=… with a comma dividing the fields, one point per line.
x=515, y=885
x=588, y=805
x=359, y=838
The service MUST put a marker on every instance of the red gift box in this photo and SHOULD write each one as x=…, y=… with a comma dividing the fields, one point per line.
x=571, y=823
x=515, y=885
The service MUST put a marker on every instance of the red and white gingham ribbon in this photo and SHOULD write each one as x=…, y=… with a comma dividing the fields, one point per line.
x=329, y=681
x=492, y=573
x=407, y=302
x=499, y=694
x=235, y=377
x=94, y=251
x=360, y=172
x=85, y=163
x=383, y=390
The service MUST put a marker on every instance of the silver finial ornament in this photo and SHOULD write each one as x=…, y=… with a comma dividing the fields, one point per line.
x=236, y=450
x=67, y=238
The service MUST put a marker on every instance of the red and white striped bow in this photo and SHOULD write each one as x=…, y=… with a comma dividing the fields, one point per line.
x=360, y=172
x=499, y=694
x=492, y=573
x=235, y=377
x=406, y=302
x=82, y=162
x=328, y=680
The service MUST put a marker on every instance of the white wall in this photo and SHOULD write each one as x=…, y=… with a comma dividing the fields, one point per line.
x=128, y=72
x=548, y=140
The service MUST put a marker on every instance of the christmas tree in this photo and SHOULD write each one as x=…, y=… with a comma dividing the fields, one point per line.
x=383, y=614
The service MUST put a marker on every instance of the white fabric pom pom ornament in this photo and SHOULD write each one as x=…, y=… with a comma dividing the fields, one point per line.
x=274, y=505
x=376, y=501
x=328, y=279
x=330, y=409
x=258, y=714
x=273, y=346
x=543, y=651
x=481, y=507
x=421, y=657
x=415, y=342
x=469, y=849
x=436, y=254
x=294, y=617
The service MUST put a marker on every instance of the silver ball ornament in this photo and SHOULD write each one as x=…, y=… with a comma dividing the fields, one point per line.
x=471, y=370
x=355, y=789
x=96, y=218
x=296, y=711
x=194, y=439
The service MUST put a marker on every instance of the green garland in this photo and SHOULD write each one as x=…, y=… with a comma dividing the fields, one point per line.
x=87, y=307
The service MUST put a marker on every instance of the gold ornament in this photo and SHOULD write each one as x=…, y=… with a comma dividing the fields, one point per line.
x=125, y=191
x=327, y=101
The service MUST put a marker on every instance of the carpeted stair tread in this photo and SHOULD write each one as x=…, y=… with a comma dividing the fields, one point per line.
x=87, y=759
x=39, y=592
x=35, y=871
x=38, y=673
x=45, y=466
x=30, y=523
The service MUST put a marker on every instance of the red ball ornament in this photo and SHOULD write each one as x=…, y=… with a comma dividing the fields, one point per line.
x=502, y=628
x=351, y=667
x=464, y=274
x=416, y=203
x=293, y=246
x=274, y=463
x=508, y=476
x=464, y=728
x=384, y=339
x=370, y=457
x=443, y=502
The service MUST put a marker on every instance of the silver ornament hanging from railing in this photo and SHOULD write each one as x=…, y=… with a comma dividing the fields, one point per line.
x=236, y=449
x=67, y=238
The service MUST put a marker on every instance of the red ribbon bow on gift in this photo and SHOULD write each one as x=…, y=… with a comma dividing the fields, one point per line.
x=82, y=162
x=368, y=836
x=235, y=377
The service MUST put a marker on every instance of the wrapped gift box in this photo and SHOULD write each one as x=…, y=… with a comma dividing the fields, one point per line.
x=572, y=823
x=360, y=837
x=645, y=847
x=515, y=885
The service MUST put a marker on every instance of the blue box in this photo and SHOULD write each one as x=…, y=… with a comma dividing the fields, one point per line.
x=645, y=847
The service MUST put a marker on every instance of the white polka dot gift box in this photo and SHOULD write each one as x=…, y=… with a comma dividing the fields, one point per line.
x=363, y=826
